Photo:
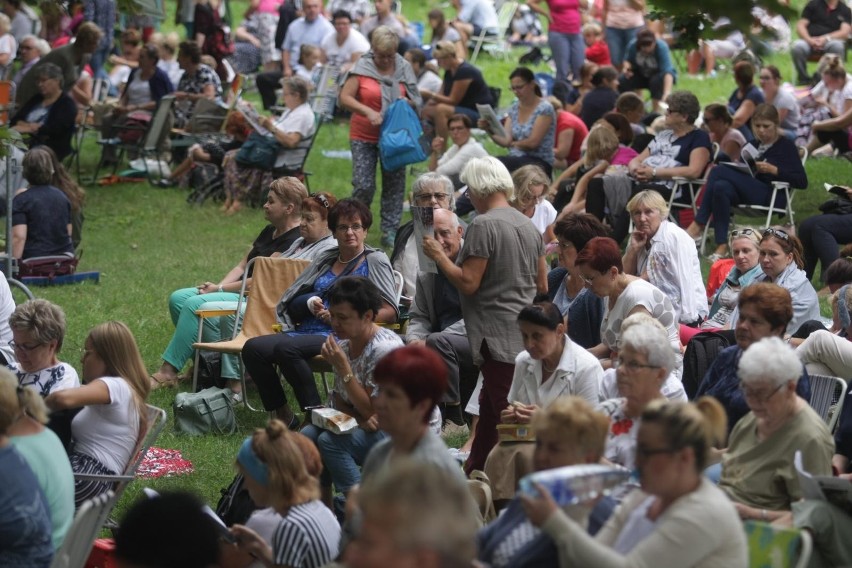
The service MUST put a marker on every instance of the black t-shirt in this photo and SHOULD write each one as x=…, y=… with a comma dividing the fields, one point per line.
x=47, y=213
x=477, y=92
x=265, y=245
x=597, y=103
x=822, y=20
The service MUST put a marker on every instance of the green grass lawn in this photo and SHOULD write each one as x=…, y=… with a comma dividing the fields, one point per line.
x=147, y=242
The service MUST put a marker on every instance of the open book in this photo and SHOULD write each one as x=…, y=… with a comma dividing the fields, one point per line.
x=834, y=490
x=839, y=190
x=253, y=118
x=749, y=156
x=486, y=112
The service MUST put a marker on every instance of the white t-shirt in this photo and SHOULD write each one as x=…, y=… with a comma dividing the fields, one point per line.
x=339, y=54
x=7, y=306
x=109, y=432
x=8, y=45
x=430, y=81
x=836, y=99
x=139, y=91
x=52, y=379
x=264, y=522
x=172, y=69
x=301, y=120
x=544, y=216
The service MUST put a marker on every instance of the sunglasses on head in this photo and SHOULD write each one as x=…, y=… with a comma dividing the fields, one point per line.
x=322, y=200
x=742, y=233
x=776, y=233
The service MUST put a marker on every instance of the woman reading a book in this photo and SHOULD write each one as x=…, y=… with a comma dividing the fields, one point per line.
x=777, y=159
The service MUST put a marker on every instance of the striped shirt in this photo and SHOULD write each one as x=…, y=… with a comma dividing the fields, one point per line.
x=308, y=536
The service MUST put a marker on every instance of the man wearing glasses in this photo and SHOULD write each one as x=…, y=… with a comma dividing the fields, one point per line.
x=29, y=56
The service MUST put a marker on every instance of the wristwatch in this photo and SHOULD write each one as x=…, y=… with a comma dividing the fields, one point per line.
x=654, y=173
x=348, y=377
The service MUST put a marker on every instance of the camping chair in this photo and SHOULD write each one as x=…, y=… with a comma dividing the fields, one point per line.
x=498, y=42
x=775, y=547
x=156, y=423
x=7, y=104
x=148, y=146
x=270, y=278
x=694, y=186
x=77, y=546
x=87, y=123
x=828, y=395
x=785, y=210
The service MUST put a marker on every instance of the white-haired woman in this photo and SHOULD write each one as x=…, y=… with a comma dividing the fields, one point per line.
x=663, y=254
x=500, y=268
x=757, y=466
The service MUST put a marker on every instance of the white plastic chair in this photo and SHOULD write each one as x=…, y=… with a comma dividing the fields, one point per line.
x=77, y=545
x=497, y=42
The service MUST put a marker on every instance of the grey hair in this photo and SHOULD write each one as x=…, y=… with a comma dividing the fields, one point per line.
x=42, y=318
x=38, y=165
x=42, y=46
x=685, y=103
x=454, y=219
x=297, y=86
x=432, y=179
x=648, y=336
x=51, y=71
x=769, y=360
x=487, y=176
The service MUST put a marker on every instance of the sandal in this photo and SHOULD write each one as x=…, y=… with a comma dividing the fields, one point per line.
x=160, y=383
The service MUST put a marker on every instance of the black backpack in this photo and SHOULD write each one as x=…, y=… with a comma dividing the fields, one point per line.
x=235, y=506
x=700, y=353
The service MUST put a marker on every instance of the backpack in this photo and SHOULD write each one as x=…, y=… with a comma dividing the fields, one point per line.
x=235, y=506
x=700, y=353
x=399, y=141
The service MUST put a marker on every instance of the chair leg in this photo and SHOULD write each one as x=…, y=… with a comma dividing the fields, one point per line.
x=704, y=234
x=244, y=389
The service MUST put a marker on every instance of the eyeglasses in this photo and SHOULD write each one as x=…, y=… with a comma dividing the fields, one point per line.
x=631, y=366
x=564, y=245
x=742, y=233
x=23, y=347
x=321, y=199
x=587, y=279
x=517, y=88
x=428, y=197
x=776, y=233
x=645, y=453
x=759, y=397
x=345, y=228
x=457, y=128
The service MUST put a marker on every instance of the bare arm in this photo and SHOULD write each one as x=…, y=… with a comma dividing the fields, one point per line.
x=563, y=144
x=456, y=93
x=505, y=141
x=743, y=113
x=541, y=276
x=467, y=277
x=578, y=200
x=95, y=392
x=732, y=148
x=19, y=239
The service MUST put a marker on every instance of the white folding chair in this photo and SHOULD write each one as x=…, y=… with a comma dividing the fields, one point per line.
x=498, y=42
x=77, y=545
x=828, y=394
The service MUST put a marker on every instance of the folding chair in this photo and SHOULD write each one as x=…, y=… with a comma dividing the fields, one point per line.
x=692, y=185
x=77, y=545
x=770, y=546
x=156, y=423
x=100, y=90
x=7, y=104
x=148, y=146
x=498, y=42
x=270, y=278
x=828, y=395
x=769, y=210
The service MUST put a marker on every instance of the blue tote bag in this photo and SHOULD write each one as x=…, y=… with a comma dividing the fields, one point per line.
x=399, y=140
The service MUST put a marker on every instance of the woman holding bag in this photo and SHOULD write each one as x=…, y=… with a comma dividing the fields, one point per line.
x=369, y=89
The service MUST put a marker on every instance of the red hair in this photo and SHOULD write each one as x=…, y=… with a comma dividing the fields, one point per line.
x=418, y=371
x=601, y=254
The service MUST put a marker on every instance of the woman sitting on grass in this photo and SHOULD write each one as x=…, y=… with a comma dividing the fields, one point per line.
x=113, y=418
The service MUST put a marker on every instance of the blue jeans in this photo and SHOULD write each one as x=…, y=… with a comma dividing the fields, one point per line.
x=617, y=40
x=568, y=51
x=99, y=57
x=726, y=188
x=342, y=454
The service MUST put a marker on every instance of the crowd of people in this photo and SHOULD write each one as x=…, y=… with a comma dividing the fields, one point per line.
x=558, y=305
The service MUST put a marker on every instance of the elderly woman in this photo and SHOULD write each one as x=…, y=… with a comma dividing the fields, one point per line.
x=198, y=81
x=283, y=210
x=293, y=131
x=113, y=415
x=746, y=97
x=463, y=88
x=566, y=289
x=764, y=311
x=568, y=432
x=498, y=271
x=719, y=123
x=663, y=254
x=648, y=65
x=530, y=126
x=41, y=214
x=745, y=249
x=599, y=265
x=550, y=366
x=304, y=315
x=48, y=117
x=531, y=183
x=41, y=449
x=369, y=89
x=757, y=466
x=777, y=161
x=276, y=476
x=38, y=329
x=354, y=303
x=782, y=99
x=676, y=504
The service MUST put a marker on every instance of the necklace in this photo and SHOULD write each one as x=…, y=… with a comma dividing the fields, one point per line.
x=341, y=261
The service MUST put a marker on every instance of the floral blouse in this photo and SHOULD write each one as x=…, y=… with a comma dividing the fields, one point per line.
x=521, y=130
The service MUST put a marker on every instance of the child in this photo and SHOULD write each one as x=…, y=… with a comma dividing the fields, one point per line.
x=574, y=100
x=601, y=151
x=597, y=51
x=309, y=57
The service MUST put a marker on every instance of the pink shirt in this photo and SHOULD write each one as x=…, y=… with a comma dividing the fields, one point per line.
x=565, y=16
x=623, y=155
x=269, y=6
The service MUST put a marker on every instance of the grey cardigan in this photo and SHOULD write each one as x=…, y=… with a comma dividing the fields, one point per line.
x=378, y=264
x=424, y=317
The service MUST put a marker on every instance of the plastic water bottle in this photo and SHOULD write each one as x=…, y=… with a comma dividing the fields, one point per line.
x=575, y=484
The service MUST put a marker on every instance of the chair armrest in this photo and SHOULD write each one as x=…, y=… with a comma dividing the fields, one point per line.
x=781, y=184
x=102, y=478
x=215, y=313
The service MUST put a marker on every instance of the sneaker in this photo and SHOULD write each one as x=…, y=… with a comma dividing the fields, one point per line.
x=236, y=397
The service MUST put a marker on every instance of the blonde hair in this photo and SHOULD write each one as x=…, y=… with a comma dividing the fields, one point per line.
x=384, y=39
x=289, y=481
x=15, y=399
x=575, y=420
x=555, y=103
x=289, y=190
x=602, y=143
x=649, y=198
x=444, y=49
x=306, y=50
x=592, y=28
x=42, y=318
x=701, y=425
x=524, y=178
x=5, y=24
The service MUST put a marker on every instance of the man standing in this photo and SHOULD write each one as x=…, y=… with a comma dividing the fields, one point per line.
x=436, y=320
x=823, y=28
x=343, y=47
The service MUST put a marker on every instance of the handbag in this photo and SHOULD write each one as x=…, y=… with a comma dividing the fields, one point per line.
x=134, y=127
x=48, y=266
x=837, y=206
x=258, y=151
x=399, y=139
x=204, y=412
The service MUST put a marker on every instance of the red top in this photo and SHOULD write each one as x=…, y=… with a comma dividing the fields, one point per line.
x=564, y=121
x=370, y=94
x=598, y=53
